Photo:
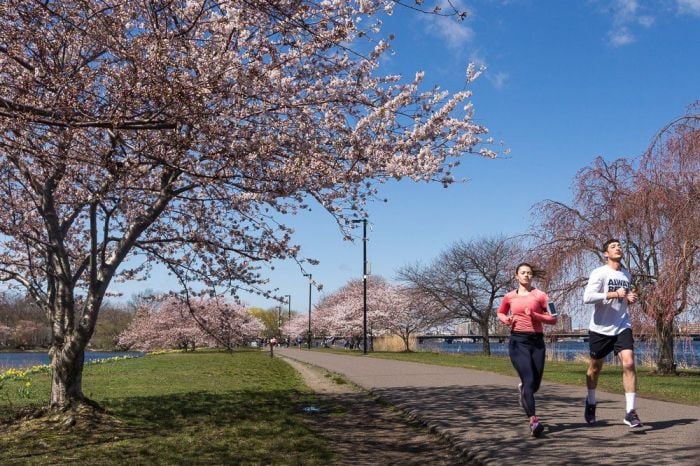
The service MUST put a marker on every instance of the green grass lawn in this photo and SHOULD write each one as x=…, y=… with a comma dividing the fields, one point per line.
x=176, y=408
x=683, y=388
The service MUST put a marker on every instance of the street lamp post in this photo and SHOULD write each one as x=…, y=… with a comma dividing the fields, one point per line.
x=310, y=282
x=279, y=321
x=364, y=283
x=289, y=317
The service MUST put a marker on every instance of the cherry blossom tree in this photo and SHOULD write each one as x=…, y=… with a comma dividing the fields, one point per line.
x=391, y=309
x=297, y=327
x=162, y=325
x=412, y=313
x=341, y=314
x=653, y=205
x=173, y=323
x=181, y=133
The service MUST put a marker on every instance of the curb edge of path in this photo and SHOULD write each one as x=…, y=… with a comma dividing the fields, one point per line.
x=466, y=451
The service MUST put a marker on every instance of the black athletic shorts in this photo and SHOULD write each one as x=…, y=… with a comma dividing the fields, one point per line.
x=601, y=345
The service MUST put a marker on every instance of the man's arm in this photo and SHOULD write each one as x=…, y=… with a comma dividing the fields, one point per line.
x=594, y=288
x=594, y=292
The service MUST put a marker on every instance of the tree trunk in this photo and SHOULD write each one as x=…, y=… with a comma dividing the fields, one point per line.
x=67, y=378
x=665, y=361
x=405, y=339
x=485, y=343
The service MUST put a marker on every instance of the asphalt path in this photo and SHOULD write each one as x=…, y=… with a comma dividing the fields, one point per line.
x=478, y=412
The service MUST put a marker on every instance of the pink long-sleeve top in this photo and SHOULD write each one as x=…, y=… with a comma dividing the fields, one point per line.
x=529, y=311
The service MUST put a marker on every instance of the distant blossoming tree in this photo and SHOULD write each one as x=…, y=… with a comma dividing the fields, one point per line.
x=180, y=133
x=391, y=309
x=172, y=323
x=653, y=206
x=341, y=313
x=296, y=327
x=413, y=313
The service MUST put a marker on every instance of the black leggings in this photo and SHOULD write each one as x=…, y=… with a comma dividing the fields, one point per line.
x=526, y=352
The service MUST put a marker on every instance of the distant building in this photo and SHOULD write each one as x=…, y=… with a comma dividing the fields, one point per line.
x=563, y=324
x=467, y=328
x=473, y=328
x=686, y=328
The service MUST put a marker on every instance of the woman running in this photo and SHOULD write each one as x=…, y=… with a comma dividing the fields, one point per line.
x=525, y=311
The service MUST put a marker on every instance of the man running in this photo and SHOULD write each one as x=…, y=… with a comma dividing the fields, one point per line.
x=610, y=291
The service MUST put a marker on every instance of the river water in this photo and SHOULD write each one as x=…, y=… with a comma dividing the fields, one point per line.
x=687, y=352
x=28, y=359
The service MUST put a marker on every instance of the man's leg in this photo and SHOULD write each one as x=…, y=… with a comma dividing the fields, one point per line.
x=629, y=382
x=629, y=372
x=594, y=367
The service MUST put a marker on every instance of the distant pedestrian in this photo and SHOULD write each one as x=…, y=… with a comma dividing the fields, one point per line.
x=610, y=291
x=273, y=343
x=525, y=310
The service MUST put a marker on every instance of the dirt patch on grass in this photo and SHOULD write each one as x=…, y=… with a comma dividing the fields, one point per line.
x=362, y=431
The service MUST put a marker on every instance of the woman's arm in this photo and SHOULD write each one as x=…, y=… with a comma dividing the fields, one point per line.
x=503, y=309
x=542, y=314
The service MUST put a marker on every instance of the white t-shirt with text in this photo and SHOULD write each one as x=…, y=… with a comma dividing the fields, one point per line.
x=610, y=316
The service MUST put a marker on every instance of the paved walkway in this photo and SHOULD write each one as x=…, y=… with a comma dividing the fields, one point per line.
x=478, y=412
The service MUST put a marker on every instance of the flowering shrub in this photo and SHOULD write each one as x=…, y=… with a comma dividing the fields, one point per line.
x=22, y=375
x=163, y=351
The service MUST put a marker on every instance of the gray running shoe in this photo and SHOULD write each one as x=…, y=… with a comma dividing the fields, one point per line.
x=589, y=413
x=632, y=420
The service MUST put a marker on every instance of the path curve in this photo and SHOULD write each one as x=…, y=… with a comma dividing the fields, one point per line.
x=478, y=412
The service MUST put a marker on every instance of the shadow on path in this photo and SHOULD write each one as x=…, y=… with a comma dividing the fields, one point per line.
x=486, y=421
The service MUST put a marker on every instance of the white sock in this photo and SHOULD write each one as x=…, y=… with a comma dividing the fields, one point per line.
x=591, y=396
x=629, y=401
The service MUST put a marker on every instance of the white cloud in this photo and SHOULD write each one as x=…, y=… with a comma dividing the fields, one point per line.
x=455, y=34
x=691, y=7
x=620, y=37
x=625, y=10
x=498, y=80
x=646, y=21
x=626, y=15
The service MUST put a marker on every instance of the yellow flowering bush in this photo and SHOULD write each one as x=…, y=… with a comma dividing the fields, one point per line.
x=22, y=375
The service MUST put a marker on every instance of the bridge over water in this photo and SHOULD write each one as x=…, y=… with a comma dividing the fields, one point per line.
x=554, y=336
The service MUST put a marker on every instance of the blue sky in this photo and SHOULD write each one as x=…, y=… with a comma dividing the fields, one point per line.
x=566, y=81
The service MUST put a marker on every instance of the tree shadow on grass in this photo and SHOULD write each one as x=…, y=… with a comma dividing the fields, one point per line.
x=192, y=428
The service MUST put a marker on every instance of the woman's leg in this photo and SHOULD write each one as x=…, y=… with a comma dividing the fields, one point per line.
x=520, y=356
x=538, y=357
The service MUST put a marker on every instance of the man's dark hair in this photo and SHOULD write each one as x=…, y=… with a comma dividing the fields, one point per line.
x=609, y=242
